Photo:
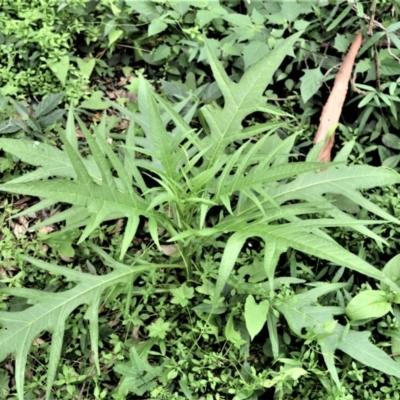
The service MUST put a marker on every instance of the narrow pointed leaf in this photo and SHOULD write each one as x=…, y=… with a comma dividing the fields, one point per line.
x=49, y=311
x=241, y=99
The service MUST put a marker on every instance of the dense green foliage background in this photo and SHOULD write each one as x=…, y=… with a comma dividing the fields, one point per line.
x=185, y=245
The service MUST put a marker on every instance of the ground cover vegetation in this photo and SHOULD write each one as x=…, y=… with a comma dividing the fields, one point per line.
x=167, y=228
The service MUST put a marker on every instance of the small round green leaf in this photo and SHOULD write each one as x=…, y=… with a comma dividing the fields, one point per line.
x=392, y=270
x=311, y=81
x=255, y=315
x=368, y=304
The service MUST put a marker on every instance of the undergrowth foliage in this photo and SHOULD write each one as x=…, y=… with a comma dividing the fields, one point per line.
x=244, y=172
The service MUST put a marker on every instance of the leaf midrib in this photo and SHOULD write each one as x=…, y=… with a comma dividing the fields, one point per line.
x=78, y=288
x=237, y=109
x=300, y=188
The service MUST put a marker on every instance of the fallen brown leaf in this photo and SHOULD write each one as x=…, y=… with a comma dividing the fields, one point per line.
x=333, y=108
